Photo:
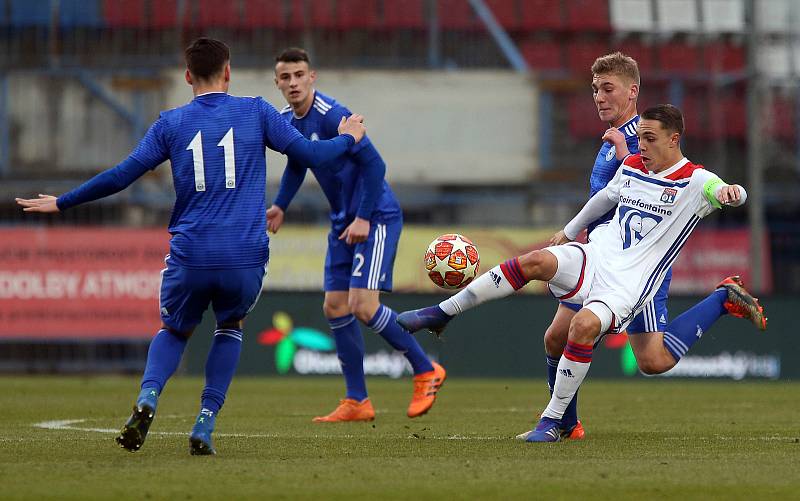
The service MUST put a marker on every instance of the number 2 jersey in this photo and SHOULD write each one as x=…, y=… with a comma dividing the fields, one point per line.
x=216, y=144
x=655, y=214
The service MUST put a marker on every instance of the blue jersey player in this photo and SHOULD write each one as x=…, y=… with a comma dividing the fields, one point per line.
x=366, y=221
x=219, y=245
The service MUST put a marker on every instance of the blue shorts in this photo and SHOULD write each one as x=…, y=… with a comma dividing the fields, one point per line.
x=186, y=293
x=365, y=265
x=654, y=316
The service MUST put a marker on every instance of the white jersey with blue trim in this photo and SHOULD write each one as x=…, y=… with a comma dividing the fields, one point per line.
x=655, y=214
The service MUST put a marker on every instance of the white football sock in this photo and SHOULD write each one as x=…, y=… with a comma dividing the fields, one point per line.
x=569, y=377
x=490, y=285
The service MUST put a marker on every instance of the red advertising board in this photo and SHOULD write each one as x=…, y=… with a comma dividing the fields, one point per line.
x=711, y=255
x=79, y=282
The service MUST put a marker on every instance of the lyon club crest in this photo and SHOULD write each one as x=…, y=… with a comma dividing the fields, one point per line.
x=668, y=196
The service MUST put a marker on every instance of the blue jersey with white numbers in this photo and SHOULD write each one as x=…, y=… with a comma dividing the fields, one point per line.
x=339, y=179
x=606, y=165
x=216, y=147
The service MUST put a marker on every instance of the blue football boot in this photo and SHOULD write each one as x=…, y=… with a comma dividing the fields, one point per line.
x=132, y=435
x=431, y=318
x=548, y=430
x=200, y=440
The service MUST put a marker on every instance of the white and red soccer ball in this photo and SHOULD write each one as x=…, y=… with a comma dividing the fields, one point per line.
x=452, y=261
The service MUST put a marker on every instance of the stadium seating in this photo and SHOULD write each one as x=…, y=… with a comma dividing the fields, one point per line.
x=641, y=52
x=582, y=117
x=542, y=55
x=28, y=14
x=678, y=57
x=723, y=57
x=541, y=15
x=587, y=15
x=722, y=16
x=263, y=14
x=213, y=13
x=505, y=11
x=456, y=15
x=80, y=13
x=165, y=14
x=632, y=16
x=582, y=53
x=404, y=14
x=128, y=14
x=357, y=14
x=676, y=16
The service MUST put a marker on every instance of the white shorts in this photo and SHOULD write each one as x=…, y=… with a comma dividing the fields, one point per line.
x=579, y=279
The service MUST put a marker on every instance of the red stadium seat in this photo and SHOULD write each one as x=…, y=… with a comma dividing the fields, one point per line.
x=505, y=11
x=404, y=14
x=582, y=53
x=643, y=54
x=357, y=14
x=781, y=122
x=456, y=15
x=733, y=117
x=263, y=14
x=216, y=14
x=320, y=14
x=582, y=117
x=165, y=14
x=540, y=15
x=678, y=57
x=724, y=57
x=128, y=14
x=694, y=115
x=587, y=15
x=543, y=55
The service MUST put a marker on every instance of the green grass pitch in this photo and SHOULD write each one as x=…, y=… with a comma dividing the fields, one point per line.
x=651, y=439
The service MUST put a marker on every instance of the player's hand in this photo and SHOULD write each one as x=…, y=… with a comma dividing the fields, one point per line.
x=274, y=218
x=559, y=238
x=353, y=125
x=729, y=194
x=617, y=138
x=45, y=203
x=357, y=232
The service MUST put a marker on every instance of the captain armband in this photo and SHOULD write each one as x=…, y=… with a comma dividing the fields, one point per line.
x=710, y=188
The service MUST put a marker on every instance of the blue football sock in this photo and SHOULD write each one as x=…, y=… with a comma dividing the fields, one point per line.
x=350, y=349
x=384, y=322
x=686, y=329
x=163, y=357
x=223, y=357
x=570, y=417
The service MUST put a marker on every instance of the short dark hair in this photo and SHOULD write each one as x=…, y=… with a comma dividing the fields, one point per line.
x=206, y=57
x=670, y=117
x=293, y=55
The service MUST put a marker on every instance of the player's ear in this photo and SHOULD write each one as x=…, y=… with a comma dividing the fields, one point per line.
x=634, y=92
x=188, y=77
x=227, y=72
x=312, y=75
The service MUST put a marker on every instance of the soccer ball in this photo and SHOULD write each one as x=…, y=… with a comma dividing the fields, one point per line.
x=452, y=261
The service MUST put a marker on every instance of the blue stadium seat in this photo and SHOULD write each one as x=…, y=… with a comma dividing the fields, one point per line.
x=80, y=14
x=28, y=14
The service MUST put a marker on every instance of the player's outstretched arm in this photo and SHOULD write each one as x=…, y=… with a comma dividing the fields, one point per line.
x=102, y=185
x=599, y=204
x=719, y=193
x=45, y=203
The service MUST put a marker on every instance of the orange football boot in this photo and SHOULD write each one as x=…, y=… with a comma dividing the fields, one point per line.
x=576, y=433
x=426, y=385
x=349, y=410
x=741, y=303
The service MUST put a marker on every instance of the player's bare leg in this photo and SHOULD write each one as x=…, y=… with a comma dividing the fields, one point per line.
x=356, y=405
x=501, y=281
x=428, y=375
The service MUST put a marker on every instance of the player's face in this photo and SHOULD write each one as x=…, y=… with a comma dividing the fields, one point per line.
x=615, y=98
x=295, y=81
x=656, y=145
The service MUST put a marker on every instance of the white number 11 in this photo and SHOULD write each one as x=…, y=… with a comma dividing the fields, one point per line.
x=199, y=167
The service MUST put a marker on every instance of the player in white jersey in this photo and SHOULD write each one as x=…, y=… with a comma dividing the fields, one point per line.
x=659, y=197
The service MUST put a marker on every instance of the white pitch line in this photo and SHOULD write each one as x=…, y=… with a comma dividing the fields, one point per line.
x=70, y=424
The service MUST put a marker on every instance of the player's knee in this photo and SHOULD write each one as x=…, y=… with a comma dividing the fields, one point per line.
x=535, y=264
x=334, y=310
x=555, y=339
x=652, y=366
x=362, y=310
x=584, y=328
